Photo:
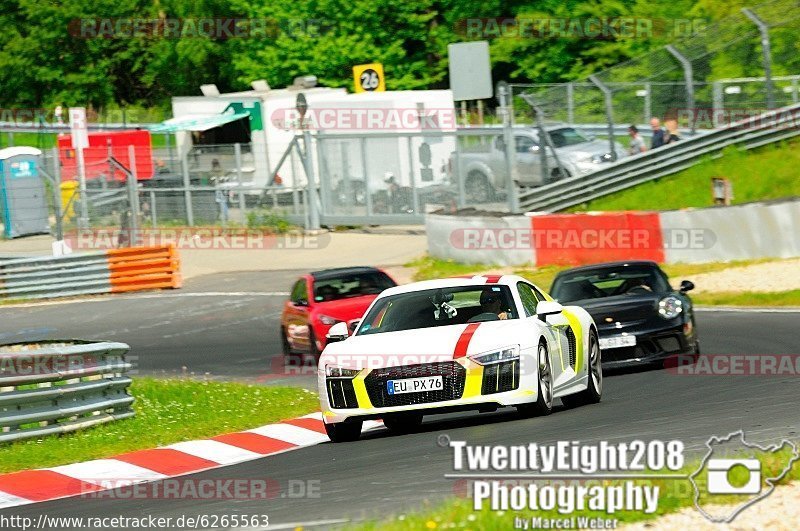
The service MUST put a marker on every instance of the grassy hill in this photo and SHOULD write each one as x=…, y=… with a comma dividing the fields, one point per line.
x=771, y=172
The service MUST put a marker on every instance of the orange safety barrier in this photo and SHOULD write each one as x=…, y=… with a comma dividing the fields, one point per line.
x=144, y=268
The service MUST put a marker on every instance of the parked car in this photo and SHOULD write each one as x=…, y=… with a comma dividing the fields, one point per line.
x=484, y=171
x=321, y=299
x=471, y=343
x=641, y=319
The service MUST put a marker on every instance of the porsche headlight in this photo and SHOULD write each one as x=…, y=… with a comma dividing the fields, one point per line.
x=497, y=356
x=328, y=321
x=332, y=371
x=670, y=307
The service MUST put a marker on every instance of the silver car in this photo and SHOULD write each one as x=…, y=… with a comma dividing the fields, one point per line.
x=483, y=167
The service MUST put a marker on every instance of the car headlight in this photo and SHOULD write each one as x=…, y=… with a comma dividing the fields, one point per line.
x=497, y=356
x=670, y=307
x=324, y=319
x=332, y=371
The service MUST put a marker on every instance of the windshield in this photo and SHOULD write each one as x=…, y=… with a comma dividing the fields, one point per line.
x=353, y=285
x=438, y=307
x=608, y=282
x=566, y=136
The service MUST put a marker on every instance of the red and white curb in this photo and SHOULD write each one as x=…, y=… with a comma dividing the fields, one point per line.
x=143, y=466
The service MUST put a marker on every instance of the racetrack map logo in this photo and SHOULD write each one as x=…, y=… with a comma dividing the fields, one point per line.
x=741, y=477
x=569, y=476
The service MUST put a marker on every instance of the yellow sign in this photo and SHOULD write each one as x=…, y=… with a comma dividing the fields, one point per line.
x=369, y=78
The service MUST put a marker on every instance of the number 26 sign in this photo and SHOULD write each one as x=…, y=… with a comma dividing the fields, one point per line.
x=369, y=78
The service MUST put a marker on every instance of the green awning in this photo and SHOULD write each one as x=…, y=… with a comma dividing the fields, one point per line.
x=196, y=122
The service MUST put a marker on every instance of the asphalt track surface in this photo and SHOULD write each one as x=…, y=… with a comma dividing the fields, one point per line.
x=235, y=335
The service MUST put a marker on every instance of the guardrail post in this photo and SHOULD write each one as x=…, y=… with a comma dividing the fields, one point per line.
x=187, y=192
x=237, y=153
x=609, y=105
x=688, y=77
x=763, y=28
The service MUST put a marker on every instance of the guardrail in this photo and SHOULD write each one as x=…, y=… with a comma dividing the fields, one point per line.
x=750, y=133
x=57, y=387
x=97, y=272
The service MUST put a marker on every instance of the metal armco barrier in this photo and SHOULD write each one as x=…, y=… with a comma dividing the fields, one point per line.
x=112, y=271
x=57, y=387
x=769, y=127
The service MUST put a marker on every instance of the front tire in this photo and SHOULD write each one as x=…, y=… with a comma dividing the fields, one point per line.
x=343, y=431
x=544, y=399
x=594, y=389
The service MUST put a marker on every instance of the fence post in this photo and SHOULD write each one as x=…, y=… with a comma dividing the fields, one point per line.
x=509, y=147
x=153, y=215
x=794, y=90
x=763, y=28
x=313, y=197
x=364, y=162
x=457, y=172
x=187, y=193
x=570, y=103
x=688, y=77
x=719, y=102
x=57, y=196
x=648, y=101
x=609, y=114
x=133, y=197
x=237, y=153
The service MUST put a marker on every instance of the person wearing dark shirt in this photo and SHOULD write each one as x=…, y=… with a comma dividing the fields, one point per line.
x=658, y=134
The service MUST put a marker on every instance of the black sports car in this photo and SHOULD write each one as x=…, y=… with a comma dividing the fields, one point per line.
x=641, y=319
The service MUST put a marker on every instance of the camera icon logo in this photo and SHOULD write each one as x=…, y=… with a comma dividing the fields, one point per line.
x=734, y=476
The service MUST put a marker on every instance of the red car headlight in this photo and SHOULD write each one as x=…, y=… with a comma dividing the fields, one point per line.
x=328, y=321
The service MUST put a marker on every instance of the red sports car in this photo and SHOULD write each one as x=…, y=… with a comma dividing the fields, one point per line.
x=321, y=299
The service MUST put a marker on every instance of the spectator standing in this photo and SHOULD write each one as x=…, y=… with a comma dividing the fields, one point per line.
x=672, y=131
x=637, y=144
x=658, y=134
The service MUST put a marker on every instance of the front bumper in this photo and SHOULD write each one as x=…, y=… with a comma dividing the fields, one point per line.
x=652, y=346
x=466, y=385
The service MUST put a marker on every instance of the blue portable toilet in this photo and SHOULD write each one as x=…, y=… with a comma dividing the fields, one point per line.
x=23, y=198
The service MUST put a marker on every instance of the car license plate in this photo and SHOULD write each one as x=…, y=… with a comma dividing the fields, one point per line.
x=414, y=385
x=617, y=342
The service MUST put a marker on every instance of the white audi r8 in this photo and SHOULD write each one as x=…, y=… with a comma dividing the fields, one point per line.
x=469, y=343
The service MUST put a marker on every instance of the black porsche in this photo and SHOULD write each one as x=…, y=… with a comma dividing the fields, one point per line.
x=641, y=319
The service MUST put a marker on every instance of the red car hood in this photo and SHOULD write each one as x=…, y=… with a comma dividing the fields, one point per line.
x=345, y=309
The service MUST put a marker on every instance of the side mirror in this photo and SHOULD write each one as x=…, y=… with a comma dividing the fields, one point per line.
x=686, y=285
x=300, y=302
x=337, y=332
x=545, y=308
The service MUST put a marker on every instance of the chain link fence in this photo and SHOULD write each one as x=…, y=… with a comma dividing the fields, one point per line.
x=745, y=62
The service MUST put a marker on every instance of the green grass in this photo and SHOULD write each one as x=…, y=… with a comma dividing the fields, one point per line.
x=765, y=173
x=427, y=268
x=675, y=494
x=167, y=411
x=781, y=298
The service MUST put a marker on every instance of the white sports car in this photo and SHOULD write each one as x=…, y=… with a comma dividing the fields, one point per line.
x=469, y=343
